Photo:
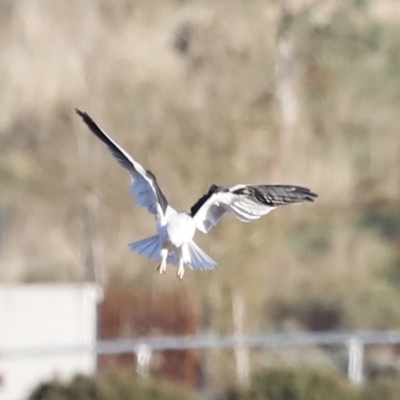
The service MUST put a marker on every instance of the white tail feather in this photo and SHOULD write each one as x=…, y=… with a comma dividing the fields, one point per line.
x=149, y=247
x=198, y=259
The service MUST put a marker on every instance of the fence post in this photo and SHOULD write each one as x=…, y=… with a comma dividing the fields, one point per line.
x=355, y=348
x=143, y=358
x=240, y=349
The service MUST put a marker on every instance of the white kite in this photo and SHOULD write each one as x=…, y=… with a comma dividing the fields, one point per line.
x=173, y=243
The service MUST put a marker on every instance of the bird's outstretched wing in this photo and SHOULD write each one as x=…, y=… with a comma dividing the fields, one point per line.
x=246, y=202
x=144, y=184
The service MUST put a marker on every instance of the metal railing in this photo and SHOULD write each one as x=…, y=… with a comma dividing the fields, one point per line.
x=354, y=341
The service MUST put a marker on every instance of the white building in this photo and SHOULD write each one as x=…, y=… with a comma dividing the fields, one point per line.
x=46, y=331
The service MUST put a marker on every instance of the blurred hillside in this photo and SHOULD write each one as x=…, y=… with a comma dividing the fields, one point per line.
x=205, y=92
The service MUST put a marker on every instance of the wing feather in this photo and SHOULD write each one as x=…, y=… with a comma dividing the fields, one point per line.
x=245, y=202
x=144, y=184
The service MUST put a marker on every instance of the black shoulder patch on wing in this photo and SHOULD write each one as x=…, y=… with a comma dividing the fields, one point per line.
x=213, y=189
x=160, y=195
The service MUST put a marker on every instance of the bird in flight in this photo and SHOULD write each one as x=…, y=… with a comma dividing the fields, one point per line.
x=173, y=243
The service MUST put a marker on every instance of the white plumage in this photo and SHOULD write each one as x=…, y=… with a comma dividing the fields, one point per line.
x=173, y=243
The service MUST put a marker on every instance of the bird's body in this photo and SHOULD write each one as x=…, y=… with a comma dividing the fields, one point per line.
x=179, y=229
x=173, y=243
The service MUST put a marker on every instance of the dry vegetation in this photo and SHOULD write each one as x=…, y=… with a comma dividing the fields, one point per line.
x=189, y=87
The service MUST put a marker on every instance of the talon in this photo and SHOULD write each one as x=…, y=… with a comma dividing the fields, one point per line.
x=162, y=267
x=181, y=272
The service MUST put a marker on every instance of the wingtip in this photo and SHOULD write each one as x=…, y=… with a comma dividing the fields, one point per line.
x=311, y=196
x=80, y=113
x=306, y=193
x=85, y=116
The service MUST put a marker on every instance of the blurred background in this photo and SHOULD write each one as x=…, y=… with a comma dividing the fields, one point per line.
x=300, y=92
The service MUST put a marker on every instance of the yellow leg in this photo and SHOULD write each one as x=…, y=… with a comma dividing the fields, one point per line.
x=162, y=267
x=181, y=270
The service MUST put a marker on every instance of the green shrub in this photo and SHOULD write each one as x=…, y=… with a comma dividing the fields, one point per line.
x=286, y=384
x=383, y=389
x=80, y=388
x=272, y=384
x=50, y=391
x=111, y=386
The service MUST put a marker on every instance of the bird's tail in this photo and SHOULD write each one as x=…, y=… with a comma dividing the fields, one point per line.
x=149, y=247
x=198, y=259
